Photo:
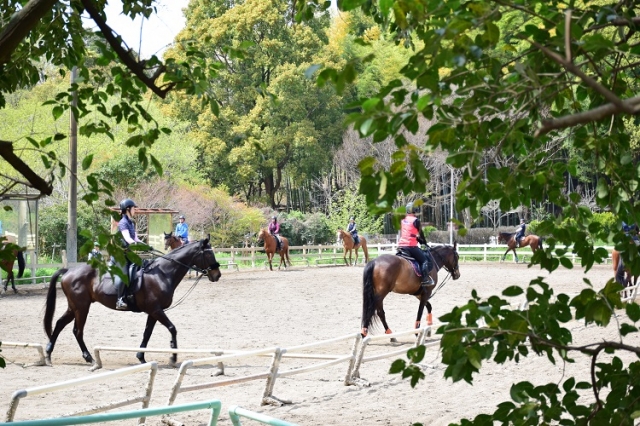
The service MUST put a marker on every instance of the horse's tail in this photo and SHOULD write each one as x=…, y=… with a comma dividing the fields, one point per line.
x=21, y=264
x=369, y=317
x=51, y=302
x=540, y=241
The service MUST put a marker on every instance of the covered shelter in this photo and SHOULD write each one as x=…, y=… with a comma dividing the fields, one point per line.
x=151, y=224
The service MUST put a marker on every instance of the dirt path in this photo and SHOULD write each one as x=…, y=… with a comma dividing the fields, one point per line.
x=252, y=310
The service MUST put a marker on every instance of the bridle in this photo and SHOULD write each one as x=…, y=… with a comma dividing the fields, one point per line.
x=213, y=266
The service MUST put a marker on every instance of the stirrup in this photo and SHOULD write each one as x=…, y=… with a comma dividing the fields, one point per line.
x=121, y=305
x=428, y=282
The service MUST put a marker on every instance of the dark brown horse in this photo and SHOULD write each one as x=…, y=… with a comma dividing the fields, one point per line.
x=389, y=273
x=509, y=239
x=270, y=248
x=83, y=286
x=11, y=252
x=349, y=246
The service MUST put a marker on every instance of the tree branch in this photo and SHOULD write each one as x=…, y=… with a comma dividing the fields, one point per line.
x=21, y=23
x=136, y=67
x=571, y=67
x=586, y=117
x=6, y=152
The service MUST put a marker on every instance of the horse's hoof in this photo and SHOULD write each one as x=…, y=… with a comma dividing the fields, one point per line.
x=95, y=366
x=15, y=291
x=47, y=361
x=140, y=356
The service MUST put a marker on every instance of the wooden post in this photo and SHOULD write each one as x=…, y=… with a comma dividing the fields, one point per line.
x=253, y=256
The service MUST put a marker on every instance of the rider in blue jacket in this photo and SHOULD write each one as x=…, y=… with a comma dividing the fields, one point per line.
x=182, y=230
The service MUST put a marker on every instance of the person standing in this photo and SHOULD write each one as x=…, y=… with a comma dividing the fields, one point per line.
x=182, y=230
x=274, y=229
x=410, y=235
x=96, y=253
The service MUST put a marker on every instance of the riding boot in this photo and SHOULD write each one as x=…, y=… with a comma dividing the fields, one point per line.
x=426, y=278
x=121, y=305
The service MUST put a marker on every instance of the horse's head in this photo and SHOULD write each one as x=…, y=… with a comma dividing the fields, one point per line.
x=205, y=259
x=261, y=235
x=171, y=241
x=449, y=257
x=339, y=235
x=504, y=237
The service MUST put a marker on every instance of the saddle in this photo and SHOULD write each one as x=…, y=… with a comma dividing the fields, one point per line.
x=135, y=274
x=414, y=263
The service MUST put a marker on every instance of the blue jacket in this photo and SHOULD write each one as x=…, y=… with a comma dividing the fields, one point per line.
x=182, y=230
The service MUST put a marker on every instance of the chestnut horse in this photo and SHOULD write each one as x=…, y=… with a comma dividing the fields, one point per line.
x=270, y=248
x=390, y=273
x=347, y=243
x=11, y=252
x=82, y=286
x=509, y=238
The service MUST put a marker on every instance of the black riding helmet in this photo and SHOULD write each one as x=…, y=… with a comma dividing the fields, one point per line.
x=126, y=204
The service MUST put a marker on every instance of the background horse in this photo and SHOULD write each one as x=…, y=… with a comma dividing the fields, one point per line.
x=389, y=273
x=171, y=241
x=509, y=239
x=11, y=252
x=347, y=243
x=270, y=248
x=621, y=273
x=82, y=286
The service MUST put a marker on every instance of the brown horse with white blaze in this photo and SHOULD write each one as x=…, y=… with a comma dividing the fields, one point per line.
x=83, y=286
x=270, y=248
x=389, y=273
x=509, y=238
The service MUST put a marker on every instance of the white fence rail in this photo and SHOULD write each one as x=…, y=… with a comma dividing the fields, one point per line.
x=152, y=367
x=36, y=346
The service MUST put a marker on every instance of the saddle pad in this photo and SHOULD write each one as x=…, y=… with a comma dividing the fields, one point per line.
x=406, y=256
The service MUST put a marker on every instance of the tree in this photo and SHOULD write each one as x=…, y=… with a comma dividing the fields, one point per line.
x=273, y=119
x=64, y=43
x=519, y=80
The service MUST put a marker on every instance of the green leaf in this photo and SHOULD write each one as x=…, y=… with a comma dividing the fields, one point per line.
x=397, y=366
x=512, y=291
x=633, y=311
x=86, y=162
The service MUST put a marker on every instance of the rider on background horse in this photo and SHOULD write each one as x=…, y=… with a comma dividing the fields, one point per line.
x=127, y=228
x=182, y=230
x=410, y=235
x=520, y=232
x=274, y=229
x=352, y=228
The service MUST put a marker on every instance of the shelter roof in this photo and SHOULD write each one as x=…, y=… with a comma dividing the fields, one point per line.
x=141, y=210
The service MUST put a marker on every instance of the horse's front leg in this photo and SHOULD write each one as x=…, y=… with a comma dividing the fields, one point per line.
x=345, y=257
x=164, y=320
x=148, y=329
x=270, y=258
x=505, y=254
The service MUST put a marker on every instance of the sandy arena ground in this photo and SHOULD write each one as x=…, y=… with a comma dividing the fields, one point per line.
x=260, y=309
